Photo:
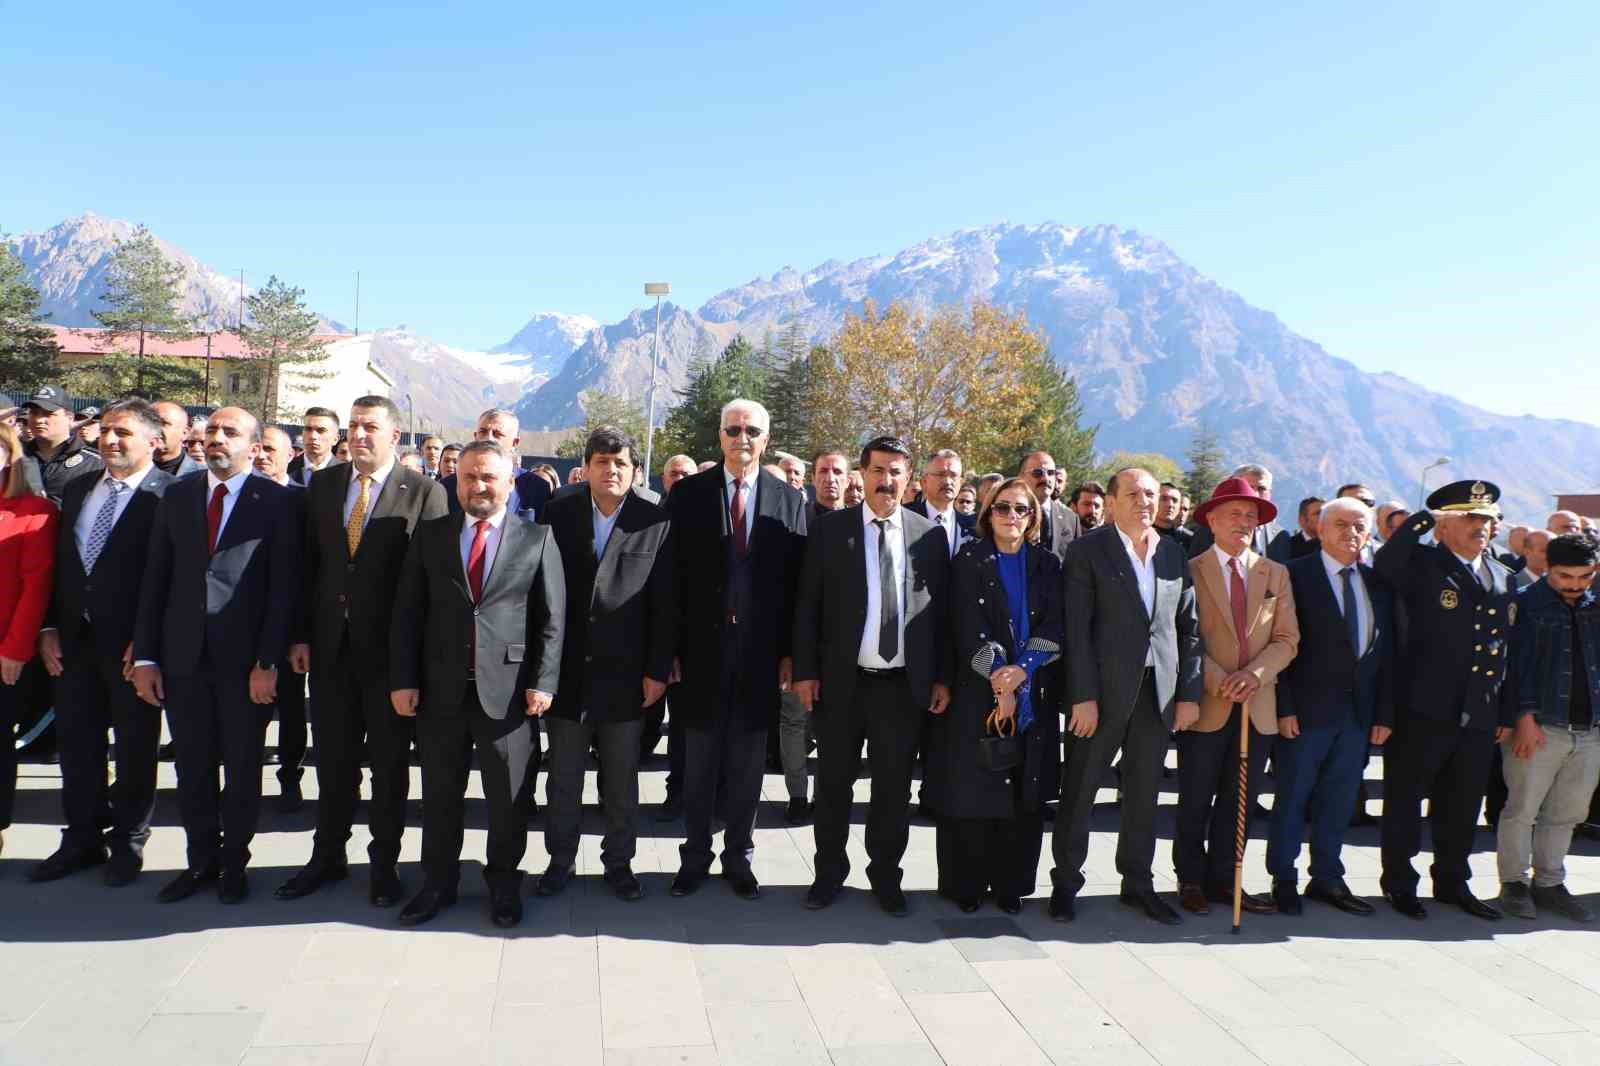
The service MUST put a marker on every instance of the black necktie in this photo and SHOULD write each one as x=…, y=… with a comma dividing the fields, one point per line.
x=1352, y=622
x=888, y=597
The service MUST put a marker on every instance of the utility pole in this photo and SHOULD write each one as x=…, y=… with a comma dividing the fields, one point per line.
x=356, y=325
x=657, y=289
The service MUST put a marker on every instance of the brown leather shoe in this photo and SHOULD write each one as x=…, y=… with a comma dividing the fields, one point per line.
x=1253, y=903
x=1193, y=899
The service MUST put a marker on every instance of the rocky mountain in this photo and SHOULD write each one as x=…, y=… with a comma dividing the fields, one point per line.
x=1158, y=350
x=449, y=386
x=545, y=342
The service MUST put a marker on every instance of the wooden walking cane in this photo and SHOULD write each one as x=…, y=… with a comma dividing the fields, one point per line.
x=1238, y=829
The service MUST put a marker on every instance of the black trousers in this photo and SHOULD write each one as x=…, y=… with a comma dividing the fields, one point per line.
x=677, y=747
x=91, y=698
x=9, y=703
x=349, y=704
x=292, y=732
x=217, y=733
x=446, y=738
x=1208, y=801
x=1449, y=766
x=880, y=712
x=1496, y=793
x=653, y=727
x=722, y=769
x=618, y=779
x=979, y=855
x=1142, y=735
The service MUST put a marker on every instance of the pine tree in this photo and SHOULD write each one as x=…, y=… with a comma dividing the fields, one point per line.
x=279, y=333
x=1205, y=464
x=788, y=393
x=694, y=425
x=143, y=296
x=604, y=409
x=28, y=349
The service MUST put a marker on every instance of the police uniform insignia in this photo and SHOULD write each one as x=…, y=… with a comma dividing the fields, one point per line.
x=1478, y=489
x=1449, y=600
x=74, y=461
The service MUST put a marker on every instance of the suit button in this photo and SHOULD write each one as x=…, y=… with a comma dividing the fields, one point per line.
x=1487, y=673
x=1477, y=647
x=476, y=612
x=588, y=658
x=88, y=588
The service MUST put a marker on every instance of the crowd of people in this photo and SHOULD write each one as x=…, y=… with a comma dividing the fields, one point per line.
x=1018, y=641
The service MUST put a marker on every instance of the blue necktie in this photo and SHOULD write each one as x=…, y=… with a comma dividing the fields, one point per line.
x=1352, y=620
x=104, y=519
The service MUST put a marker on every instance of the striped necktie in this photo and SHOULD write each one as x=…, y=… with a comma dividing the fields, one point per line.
x=104, y=519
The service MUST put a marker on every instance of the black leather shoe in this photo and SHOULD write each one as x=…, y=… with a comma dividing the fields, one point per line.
x=624, y=884
x=1363, y=820
x=1406, y=903
x=1009, y=905
x=505, y=906
x=687, y=883
x=1287, y=897
x=744, y=883
x=310, y=877
x=1062, y=908
x=1339, y=895
x=969, y=906
x=1249, y=902
x=234, y=887
x=1154, y=907
x=426, y=905
x=122, y=869
x=290, y=798
x=185, y=884
x=820, y=896
x=63, y=862
x=385, y=888
x=1463, y=898
x=893, y=901
x=554, y=880
x=798, y=812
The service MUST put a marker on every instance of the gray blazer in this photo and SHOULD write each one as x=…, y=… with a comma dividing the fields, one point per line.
x=1065, y=527
x=1109, y=634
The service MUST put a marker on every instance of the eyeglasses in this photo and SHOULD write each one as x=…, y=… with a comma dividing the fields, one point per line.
x=1021, y=510
x=1042, y=472
x=1367, y=500
x=750, y=431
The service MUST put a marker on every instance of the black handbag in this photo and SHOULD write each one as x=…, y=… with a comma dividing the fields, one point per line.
x=998, y=749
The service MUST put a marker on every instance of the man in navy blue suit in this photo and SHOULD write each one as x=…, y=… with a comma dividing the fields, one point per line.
x=530, y=491
x=1333, y=699
x=214, y=622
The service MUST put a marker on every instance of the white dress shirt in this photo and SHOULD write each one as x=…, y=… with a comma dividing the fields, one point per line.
x=603, y=526
x=946, y=520
x=749, y=498
x=306, y=469
x=1226, y=561
x=868, y=655
x=1474, y=566
x=97, y=498
x=352, y=492
x=1363, y=601
x=234, y=483
x=491, y=542
x=1144, y=573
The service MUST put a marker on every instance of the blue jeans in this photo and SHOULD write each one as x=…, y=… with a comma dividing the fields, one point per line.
x=1318, y=774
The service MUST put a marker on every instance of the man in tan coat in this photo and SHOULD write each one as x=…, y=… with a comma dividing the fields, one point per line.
x=1236, y=590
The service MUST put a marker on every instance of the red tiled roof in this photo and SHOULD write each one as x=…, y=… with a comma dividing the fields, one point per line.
x=224, y=345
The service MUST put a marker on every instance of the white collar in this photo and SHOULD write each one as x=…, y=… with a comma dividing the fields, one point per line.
x=1150, y=538
x=132, y=481
x=938, y=516
x=601, y=516
x=1227, y=560
x=1333, y=566
x=1470, y=564
x=233, y=483
x=327, y=461
x=868, y=517
x=379, y=476
x=495, y=520
x=749, y=479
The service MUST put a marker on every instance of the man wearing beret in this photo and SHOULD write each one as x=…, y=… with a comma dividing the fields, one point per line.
x=1452, y=703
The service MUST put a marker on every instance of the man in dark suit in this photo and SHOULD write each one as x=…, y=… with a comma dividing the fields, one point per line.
x=738, y=539
x=272, y=461
x=616, y=656
x=870, y=631
x=1168, y=509
x=319, y=435
x=1134, y=676
x=1308, y=516
x=1452, y=705
x=530, y=491
x=1060, y=524
x=1333, y=700
x=360, y=517
x=86, y=645
x=1271, y=539
x=215, y=613
x=171, y=457
x=475, y=651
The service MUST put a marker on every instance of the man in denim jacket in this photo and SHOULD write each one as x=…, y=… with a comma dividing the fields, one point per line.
x=1552, y=758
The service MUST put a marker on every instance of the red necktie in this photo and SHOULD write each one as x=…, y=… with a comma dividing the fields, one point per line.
x=1236, y=601
x=214, y=516
x=736, y=517
x=475, y=556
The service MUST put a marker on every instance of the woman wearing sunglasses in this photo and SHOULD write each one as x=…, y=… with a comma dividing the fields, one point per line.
x=1007, y=626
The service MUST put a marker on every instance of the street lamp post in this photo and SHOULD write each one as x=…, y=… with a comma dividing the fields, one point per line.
x=658, y=289
x=412, y=420
x=1422, y=490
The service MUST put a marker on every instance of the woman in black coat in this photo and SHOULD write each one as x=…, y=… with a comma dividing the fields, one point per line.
x=991, y=823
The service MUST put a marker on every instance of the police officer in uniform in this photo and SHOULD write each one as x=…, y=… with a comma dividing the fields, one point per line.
x=57, y=453
x=1452, y=703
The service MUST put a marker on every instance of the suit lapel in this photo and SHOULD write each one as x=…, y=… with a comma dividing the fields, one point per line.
x=1255, y=591
x=1207, y=573
x=244, y=509
x=855, y=543
x=505, y=556
x=459, y=570
x=1123, y=567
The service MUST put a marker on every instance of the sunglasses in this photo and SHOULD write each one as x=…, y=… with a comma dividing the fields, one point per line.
x=1042, y=472
x=1021, y=510
x=750, y=431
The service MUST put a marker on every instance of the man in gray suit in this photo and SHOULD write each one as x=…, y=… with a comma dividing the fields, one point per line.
x=1134, y=669
x=1060, y=525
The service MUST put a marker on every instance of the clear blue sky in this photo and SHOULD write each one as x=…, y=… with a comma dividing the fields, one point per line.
x=1412, y=185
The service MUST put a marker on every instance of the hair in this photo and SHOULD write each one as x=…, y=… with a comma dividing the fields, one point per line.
x=500, y=414
x=1306, y=503
x=674, y=458
x=1573, y=549
x=452, y=447
x=1342, y=504
x=825, y=452
x=140, y=410
x=279, y=430
x=16, y=484
x=430, y=439
x=986, y=486
x=1114, y=488
x=1089, y=486
x=887, y=445
x=480, y=447
x=750, y=407
x=1255, y=470
x=1169, y=485
x=610, y=440
x=942, y=453
x=1351, y=487
x=1030, y=532
x=378, y=403
x=328, y=412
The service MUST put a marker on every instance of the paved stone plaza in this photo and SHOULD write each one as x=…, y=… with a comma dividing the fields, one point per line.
x=92, y=975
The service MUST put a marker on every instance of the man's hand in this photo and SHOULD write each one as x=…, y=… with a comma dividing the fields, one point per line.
x=300, y=658
x=677, y=672
x=11, y=669
x=653, y=690
x=1188, y=714
x=1380, y=734
x=50, y=651
x=147, y=683
x=404, y=701
x=127, y=663
x=1085, y=718
x=1288, y=727
x=1527, y=738
x=785, y=673
x=1007, y=679
x=941, y=698
x=1239, y=686
x=263, y=685
x=806, y=692
x=538, y=702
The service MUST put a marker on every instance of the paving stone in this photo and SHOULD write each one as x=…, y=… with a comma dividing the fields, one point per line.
x=766, y=1034
x=324, y=1012
x=193, y=1039
x=975, y=1028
